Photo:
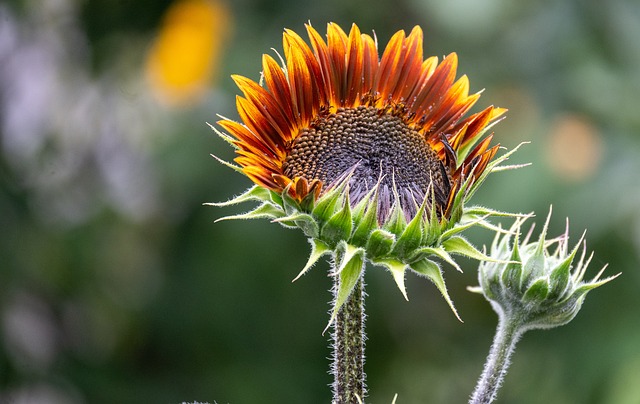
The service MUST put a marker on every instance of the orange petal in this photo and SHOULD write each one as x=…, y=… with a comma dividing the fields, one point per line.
x=266, y=105
x=337, y=49
x=390, y=65
x=355, y=67
x=411, y=66
x=436, y=86
x=278, y=86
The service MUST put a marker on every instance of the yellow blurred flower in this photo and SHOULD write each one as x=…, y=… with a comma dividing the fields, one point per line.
x=187, y=50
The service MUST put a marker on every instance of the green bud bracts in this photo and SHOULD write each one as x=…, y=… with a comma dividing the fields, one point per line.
x=540, y=283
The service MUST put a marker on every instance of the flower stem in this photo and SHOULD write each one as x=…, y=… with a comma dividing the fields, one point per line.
x=348, y=348
x=507, y=335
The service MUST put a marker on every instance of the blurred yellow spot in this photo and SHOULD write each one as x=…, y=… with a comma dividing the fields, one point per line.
x=574, y=148
x=187, y=50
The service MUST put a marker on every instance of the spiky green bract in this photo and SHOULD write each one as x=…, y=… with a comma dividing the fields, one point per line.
x=352, y=233
x=534, y=285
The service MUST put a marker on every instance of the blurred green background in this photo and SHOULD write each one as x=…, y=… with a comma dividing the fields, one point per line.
x=117, y=287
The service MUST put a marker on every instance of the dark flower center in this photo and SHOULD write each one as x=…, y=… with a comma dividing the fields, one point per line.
x=378, y=147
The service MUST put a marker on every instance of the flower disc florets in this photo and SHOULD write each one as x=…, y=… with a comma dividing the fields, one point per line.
x=376, y=147
x=371, y=157
x=537, y=283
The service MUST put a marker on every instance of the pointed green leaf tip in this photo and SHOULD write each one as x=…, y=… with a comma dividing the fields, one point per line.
x=255, y=193
x=411, y=237
x=397, y=271
x=350, y=265
x=318, y=249
x=460, y=245
x=432, y=271
x=264, y=211
x=536, y=292
x=339, y=226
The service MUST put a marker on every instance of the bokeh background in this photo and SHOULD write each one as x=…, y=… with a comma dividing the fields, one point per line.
x=117, y=287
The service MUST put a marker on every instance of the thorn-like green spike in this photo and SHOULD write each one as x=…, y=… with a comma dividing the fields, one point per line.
x=396, y=222
x=460, y=245
x=369, y=221
x=432, y=271
x=264, y=211
x=255, y=193
x=433, y=230
x=350, y=270
x=537, y=291
x=411, y=237
x=440, y=253
x=535, y=265
x=380, y=243
x=303, y=221
x=512, y=275
x=230, y=140
x=559, y=276
x=339, y=226
x=397, y=269
x=234, y=167
x=346, y=252
x=326, y=205
x=318, y=249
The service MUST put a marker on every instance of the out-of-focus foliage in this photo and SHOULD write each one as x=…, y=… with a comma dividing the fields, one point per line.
x=116, y=285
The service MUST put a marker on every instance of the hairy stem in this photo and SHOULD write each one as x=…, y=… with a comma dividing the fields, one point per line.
x=507, y=334
x=348, y=349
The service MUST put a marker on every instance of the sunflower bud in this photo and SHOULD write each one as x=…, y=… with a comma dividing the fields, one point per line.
x=538, y=283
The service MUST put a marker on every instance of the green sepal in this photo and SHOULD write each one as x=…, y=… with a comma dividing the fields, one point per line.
x=380, y=243
x=362, y=207
x=439, y=252
x=234, y=167
x=318, y=249
x=457, y=206
x=536, y=292
x=478, y=210
x=559, y=277
x=397, y=269
x=433, y=229
x=349, y=270
x=289, y=204
x=490, y=282
x=304, y=221
x=411, y=237
x=432, y=271
x=229, y=139
x=466, y=148
x=366, y=224
x=494, y=166
x=264, y=211
x=326, y=205
x=460, y=227
x=339, y=226
x=460, y=245
x=345, y=253
x=308, y=202
x=276, y=198
x=512, y=275
x=535, y=265
x=255, y=193
x=396, y=222
x=586, y=287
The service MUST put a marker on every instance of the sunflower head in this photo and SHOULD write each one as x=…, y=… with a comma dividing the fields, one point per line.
x=373, y=157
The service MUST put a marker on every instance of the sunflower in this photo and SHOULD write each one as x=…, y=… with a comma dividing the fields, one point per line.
x=372, y=157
